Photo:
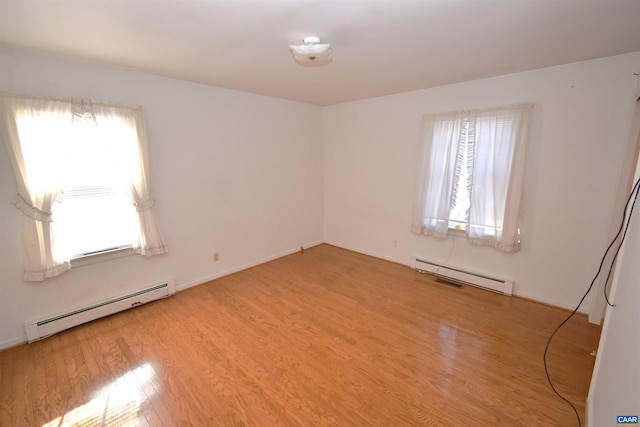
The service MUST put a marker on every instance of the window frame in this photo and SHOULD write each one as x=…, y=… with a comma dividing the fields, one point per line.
x=497, y=138
x=35, y=199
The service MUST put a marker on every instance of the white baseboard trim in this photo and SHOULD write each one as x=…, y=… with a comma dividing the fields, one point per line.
x=13, y=342
x=179, y=287
x=218, y=275
x=536, y=298
x=516, y=293
x=588, y=412
x=400, y=260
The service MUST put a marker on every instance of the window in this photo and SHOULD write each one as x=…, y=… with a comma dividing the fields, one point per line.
x=461, y=201
x=92, y=180
x=80, y=208
x=82, y=179
x=470, y=175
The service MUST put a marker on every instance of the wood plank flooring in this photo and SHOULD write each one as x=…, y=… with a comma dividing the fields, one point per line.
x=324, y=338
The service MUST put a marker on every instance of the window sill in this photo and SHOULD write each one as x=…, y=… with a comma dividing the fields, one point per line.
x=457, y=232
x=84, y=260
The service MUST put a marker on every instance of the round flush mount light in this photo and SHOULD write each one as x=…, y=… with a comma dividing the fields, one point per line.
x=311, y=50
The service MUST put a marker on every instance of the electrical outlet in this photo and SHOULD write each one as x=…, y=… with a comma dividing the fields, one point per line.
x=216, y=257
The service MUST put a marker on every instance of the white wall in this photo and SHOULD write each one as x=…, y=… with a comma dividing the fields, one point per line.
x=615, y=385
x=577, y=146
x=253, y=178
x=232, y=172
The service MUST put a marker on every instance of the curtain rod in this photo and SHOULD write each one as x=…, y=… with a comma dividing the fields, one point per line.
x=70, y=100
x=525, y=105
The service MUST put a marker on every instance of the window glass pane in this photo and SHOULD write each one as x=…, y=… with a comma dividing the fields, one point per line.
x=43, y=137
x=458, y=214
x=94, y=219
x=95, y=213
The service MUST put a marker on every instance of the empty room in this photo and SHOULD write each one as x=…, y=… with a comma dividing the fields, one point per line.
x=316, y=212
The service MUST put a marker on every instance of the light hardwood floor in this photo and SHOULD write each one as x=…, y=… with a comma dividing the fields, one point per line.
x=327, y=337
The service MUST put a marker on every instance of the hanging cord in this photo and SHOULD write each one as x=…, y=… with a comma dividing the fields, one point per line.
x=635, y=190
x=627, y=220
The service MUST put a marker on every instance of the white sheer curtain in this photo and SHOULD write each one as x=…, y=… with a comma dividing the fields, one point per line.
x=495, y=141
x=439, y=169
x=39, y=136
x=38, y=182
x=130, y=133
x=497, y=177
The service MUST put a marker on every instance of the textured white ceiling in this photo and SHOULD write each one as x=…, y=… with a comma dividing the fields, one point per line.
x=380, y=47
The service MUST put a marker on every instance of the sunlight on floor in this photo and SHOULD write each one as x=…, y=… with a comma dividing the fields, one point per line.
x=118, y=403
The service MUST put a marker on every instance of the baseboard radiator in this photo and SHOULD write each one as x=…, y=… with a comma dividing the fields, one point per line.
x=54, y=324
x=502, y=286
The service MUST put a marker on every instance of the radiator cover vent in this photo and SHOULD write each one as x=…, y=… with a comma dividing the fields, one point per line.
x=502, y=286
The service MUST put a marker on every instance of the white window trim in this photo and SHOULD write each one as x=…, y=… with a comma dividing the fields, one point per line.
x=40, y=261
x=499, y=138
x=102, y=256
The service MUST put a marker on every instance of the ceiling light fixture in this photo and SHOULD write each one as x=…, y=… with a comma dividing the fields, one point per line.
x=311, y=50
